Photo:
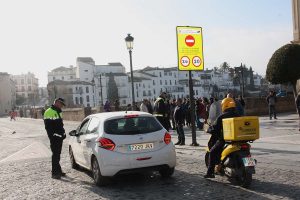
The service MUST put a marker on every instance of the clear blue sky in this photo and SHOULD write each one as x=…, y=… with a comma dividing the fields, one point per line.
x=38, y=36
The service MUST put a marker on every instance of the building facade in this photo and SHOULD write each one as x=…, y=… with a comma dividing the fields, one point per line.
x=7, y=93
x=27, y=86
x=296, y=20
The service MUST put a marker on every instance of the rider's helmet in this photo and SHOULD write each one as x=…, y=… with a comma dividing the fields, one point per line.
x=227, y=103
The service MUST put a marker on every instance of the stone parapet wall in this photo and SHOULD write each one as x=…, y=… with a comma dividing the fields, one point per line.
x=259, y=106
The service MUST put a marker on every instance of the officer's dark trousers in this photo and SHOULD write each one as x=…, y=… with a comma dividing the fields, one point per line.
x=56, y=145
x=214, y=155
x=180, y=132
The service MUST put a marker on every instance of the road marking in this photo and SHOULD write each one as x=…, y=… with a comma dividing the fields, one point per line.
x=34, y=150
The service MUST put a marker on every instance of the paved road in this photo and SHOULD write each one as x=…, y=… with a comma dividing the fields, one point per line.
x=25, y=168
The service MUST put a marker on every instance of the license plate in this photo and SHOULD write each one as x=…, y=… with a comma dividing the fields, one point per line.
x=136, y=147
x=248, y=161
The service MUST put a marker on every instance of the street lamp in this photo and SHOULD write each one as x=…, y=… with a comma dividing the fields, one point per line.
x=93, y=85
x=129, y=44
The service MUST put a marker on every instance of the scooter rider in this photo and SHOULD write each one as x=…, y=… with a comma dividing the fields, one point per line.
x=56, y=133
x=229, y=110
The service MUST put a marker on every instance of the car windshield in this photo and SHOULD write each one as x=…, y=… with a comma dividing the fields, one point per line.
x=131, y=126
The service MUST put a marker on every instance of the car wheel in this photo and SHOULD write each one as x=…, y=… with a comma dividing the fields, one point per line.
x=168, y=172
x=98, y=178
x=74, y=165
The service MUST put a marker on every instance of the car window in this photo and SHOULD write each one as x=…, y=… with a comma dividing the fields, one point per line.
x=93, y=125
x=131, y=126
x=83, y=126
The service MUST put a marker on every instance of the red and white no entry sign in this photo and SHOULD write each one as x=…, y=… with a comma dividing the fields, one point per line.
x=189, y=40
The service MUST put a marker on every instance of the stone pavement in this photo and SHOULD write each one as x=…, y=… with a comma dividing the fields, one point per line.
x=25, y=168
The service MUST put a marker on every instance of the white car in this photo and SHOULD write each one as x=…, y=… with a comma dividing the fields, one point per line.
x=113, y=143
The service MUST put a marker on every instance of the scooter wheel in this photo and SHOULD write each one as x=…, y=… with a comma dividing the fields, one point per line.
x=246, y=179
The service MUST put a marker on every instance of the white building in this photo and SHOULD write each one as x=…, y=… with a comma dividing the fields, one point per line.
x=148, y=82
x=7, y=93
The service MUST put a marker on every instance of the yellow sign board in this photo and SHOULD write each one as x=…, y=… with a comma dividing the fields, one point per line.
x=189, y=48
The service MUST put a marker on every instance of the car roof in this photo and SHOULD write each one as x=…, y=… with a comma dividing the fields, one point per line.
x=110, y=115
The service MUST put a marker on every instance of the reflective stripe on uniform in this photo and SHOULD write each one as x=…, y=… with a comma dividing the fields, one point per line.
x=158, y=115
x=55, y=134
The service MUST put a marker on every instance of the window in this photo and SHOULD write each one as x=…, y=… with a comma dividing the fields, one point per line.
x=149, y=93
x=83, y=126
x=29, y=81
x=22, y=81
x=29, y=88
x=71, y=77
x=70, y=90
x=159, y=74
x=154, y=91
x=86, y=70
x=143, y=85
x=132, y=126
x=175, y=82
x=81, y=101
x=76, y=100
x=166, y=83
x=87, y=98
x=62, y=78
x=165, y=73
x=53, y=78
x=170, y=73
x=160, y=82
x=170, y=82
x=144, y=93
x=87, y=89
x=93, y=126
x=23, y=89
x=153, y=82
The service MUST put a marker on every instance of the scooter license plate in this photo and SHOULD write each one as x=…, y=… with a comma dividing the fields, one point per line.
x=248, y=161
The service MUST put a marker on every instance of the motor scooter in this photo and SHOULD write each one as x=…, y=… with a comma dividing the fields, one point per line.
x=236, y=161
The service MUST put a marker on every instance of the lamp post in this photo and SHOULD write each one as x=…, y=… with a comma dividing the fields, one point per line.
x=93, y=85
x=129, y=44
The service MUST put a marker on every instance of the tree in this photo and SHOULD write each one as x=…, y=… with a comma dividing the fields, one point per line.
x=112, y=89
x=224, y=67
x=284, y=66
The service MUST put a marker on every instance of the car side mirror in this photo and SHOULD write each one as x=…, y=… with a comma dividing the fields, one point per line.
x=73, y=133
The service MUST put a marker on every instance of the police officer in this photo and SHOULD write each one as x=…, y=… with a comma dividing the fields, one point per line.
x=160, y=110
x=56, y=134
x=229, y=110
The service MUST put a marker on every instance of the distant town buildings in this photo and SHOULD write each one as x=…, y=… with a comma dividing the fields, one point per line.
x=27, y=87
x=7, y=93
x=88, y=84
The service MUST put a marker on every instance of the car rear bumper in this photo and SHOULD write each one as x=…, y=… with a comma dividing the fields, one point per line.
x=112, y=163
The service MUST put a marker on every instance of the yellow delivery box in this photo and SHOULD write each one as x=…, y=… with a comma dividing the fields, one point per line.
x=241, y=128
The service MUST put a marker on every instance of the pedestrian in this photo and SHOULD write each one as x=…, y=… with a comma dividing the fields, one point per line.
x=117, y=105
x=298, y=106
x=149, y=107
x=214, y=110
x=172, y=109
x=143, y=106
x=56, y=134
x=179, y=120
x=271, y=100
x=200, y=113
x=160, y=110
x=107, y=107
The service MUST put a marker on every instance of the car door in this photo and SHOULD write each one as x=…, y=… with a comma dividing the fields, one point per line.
x=88, y=141
x=78, y=147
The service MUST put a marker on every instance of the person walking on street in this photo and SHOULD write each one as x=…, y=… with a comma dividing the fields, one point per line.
x=271, y=100
x=179, y=120
x=143, y=106
x=56, y=133
x=160, y=110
